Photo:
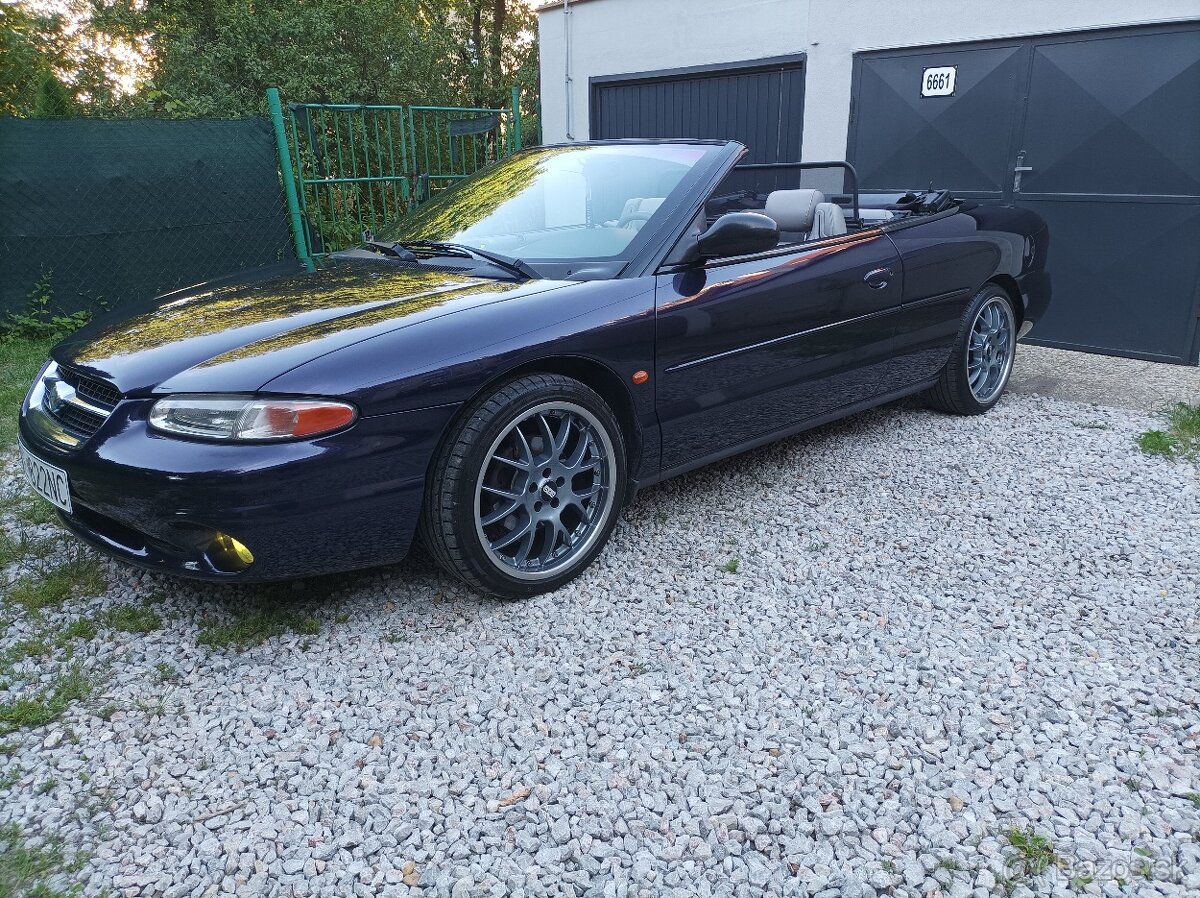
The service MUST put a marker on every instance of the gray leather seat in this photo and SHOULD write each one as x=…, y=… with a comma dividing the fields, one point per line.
x=803, y=215
x=636, y=212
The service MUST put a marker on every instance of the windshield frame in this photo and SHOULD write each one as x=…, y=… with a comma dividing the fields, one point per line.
x=664, y=221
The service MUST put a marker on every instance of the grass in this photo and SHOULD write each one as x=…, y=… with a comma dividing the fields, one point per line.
x=45, y=645
x=731, y=566
x=49, y=587
x=20, y=360
x=166, y=673
x=23, y=548
x=80, y=628
x=131, y=619
x=33, y=510
x=156, y=707
x=254, y=627
x=1181, y=439
x=24, y=650
x=1194, y=798
x=1035, y=853
x=26, y=870
x=47, y=705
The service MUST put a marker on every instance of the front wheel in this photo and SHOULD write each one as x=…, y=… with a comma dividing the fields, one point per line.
x=981, y=359
x=526, y=489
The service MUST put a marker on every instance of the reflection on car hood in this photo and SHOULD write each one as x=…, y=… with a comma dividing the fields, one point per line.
x=237, y=335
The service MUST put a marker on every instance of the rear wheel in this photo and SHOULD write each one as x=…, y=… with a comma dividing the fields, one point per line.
x=526, y=489
x=981, y=360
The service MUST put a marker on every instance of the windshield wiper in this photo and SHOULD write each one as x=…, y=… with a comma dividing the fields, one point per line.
x=516, y=266
x=391, y=249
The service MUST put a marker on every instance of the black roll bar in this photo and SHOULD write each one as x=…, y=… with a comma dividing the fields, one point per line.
x=803, y=165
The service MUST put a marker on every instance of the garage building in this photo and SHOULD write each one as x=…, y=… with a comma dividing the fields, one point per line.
x=1085, y=111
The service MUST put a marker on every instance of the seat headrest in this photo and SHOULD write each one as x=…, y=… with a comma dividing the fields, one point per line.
x=794, y=210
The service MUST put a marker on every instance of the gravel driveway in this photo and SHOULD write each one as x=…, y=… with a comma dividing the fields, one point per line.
x=956, y=657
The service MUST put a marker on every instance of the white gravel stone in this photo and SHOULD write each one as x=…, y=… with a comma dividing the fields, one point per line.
x=940, y=629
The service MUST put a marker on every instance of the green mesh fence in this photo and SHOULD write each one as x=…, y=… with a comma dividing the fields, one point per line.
x=104, y=211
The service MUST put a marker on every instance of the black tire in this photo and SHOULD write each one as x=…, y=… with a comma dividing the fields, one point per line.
x=953, y=392
x=453, y=522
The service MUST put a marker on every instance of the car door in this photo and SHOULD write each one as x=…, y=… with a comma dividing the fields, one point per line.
x=751, y=347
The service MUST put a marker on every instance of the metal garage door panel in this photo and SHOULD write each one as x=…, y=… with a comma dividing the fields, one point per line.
x=1115, y=115
x=1124, y=276
x=1106, y=123
x=901, y=140
x=1113, y=140
x=762, y=108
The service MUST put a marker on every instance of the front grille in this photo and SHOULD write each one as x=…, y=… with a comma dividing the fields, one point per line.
x=76, y=420
x=95, y=391
x=74, y=416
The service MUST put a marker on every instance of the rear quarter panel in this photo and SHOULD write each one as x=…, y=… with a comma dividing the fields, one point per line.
x=946, y=260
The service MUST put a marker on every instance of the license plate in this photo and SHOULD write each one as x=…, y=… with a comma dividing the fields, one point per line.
x=47, y=481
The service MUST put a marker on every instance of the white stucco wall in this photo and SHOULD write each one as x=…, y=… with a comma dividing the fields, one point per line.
x=611, y=37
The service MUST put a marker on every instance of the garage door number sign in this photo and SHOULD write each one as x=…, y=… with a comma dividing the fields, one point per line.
x=939, y=81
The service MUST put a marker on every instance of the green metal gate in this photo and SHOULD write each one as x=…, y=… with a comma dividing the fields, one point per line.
x=349, y=168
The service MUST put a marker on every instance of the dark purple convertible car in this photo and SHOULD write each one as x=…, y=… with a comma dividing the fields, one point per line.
x=503, y=368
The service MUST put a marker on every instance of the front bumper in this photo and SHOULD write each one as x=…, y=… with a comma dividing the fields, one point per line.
x=346, y=501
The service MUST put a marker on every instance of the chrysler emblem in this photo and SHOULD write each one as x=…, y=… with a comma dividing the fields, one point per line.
x=58, y=394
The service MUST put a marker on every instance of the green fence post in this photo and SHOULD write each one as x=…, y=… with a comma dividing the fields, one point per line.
x=516, y=117
x=289, y=179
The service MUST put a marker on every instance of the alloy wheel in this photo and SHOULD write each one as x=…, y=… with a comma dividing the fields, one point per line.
x=990, y=349
x=545, y=490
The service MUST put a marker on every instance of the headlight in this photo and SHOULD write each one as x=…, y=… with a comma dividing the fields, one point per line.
x=249, y=419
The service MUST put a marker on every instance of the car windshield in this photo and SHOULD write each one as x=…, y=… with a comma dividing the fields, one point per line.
x=557, y=203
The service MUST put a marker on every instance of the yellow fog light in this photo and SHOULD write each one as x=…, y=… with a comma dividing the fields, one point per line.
x=230, y=555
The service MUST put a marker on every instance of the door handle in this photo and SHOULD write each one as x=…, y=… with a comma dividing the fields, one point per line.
x=1019, y=169
x=878, y=279
x=1017, y=172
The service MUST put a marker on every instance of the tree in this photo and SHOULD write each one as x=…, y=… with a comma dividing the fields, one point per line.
x=218, y=57
x=30, y=51
x=495, y=45
x=183, y=58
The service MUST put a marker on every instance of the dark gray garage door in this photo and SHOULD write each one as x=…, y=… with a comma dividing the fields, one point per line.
x=1105, y=125
x=759, y=103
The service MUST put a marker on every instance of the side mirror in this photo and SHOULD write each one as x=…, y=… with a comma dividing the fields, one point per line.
x=734, y=234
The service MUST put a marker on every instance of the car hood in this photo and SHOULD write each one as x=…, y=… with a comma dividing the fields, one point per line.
x=236, y=335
